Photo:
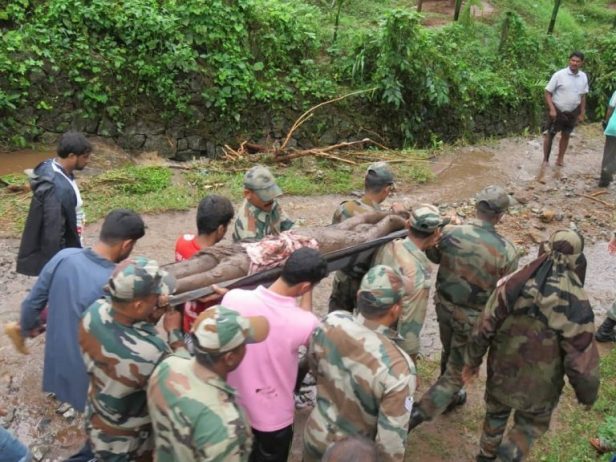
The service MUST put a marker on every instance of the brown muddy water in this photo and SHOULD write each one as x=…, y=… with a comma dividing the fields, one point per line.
x=18, y=161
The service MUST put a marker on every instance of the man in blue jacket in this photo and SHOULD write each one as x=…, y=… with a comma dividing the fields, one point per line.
x=55, y=219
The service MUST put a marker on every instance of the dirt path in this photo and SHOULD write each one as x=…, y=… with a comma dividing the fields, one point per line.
x=460, y=174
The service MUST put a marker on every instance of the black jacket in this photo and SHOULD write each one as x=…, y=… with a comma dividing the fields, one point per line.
x=52, y=220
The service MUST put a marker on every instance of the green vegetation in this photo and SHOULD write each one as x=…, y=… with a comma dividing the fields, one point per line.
x=223, y=64
x=150, y=189
x=568, y=441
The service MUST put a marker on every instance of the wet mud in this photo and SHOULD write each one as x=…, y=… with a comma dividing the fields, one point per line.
x=561, y=200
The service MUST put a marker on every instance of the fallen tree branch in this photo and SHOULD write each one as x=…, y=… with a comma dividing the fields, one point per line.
x=607, y=204
x=308, y=114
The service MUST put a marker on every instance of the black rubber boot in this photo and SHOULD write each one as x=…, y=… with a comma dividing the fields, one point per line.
x=605, y=332
x=458, y=400
x=416, y=418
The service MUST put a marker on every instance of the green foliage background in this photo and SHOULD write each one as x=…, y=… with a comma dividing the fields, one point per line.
x=226, y=60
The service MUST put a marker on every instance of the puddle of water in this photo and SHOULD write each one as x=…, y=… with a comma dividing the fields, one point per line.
x=18, y=161
x=461, y=175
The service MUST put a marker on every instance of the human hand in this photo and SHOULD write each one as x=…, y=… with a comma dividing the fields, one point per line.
x=219, y=292
x=454, y=218
x=581, y=117
x=552, y=113
x=398, y=208
x=611, y=247
x=469, y=373
x=172, y=320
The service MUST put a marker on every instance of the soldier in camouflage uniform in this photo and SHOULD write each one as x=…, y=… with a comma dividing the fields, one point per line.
x=121, y=346
x=408, y=258
x=365, y=382
x=605, y=332
x=378, y=184
x=538, y=325
x=472, y=258
x=193, y=409
x=260, y=214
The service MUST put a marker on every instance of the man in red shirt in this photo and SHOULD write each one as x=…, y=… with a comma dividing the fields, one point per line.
x=214, y=214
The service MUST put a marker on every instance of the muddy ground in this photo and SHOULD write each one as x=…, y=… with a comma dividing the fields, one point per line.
x=564, y=199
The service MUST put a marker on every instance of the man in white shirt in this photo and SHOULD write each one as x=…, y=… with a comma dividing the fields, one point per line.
x=565, y=98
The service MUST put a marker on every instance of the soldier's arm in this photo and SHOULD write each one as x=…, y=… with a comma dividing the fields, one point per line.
x=215, y=441
x=394, y=413
x=434, y=253
x=412, y=317
x=581, y=358
x=491, y=318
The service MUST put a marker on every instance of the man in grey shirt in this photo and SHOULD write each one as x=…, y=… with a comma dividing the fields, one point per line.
x=565, y=98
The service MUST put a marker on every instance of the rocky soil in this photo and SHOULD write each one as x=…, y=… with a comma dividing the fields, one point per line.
x=567, y=198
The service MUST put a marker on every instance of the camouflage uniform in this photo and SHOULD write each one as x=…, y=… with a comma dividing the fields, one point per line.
x=348, y=209
x=403, y=256
x=472, y=258
x=194, y=412
x=539, y=326
x=346, y=282
x=119, y=359
x=253, y=223
x=365, y=382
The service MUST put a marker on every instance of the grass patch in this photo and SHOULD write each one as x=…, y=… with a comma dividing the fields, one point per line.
x=568, y=440
x=153, y=189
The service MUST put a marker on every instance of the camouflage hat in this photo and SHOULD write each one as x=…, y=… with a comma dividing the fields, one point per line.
x=219, y=329
x=427, y=218
x=379, y=172
x=139, y=277
x=380, y=289
x=260, y=180
x=492, y=199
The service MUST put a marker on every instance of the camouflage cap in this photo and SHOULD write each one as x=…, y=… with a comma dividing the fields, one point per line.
x=492, y=199
x=380, y=289
x=379, y=172
x=260, y=180
x=219, y=329
x=427, y=218
x=139, y=277
x=567, y=242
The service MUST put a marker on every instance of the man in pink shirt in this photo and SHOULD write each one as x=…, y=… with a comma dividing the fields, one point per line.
x=266, y=379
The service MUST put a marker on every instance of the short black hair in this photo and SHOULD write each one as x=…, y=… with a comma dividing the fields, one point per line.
x=374, y=184
x=484, y=209
x=212, y=212
x=419, y=234
x=304, y=265
x=577, y=54
x=121, y=225
x=73, y=143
